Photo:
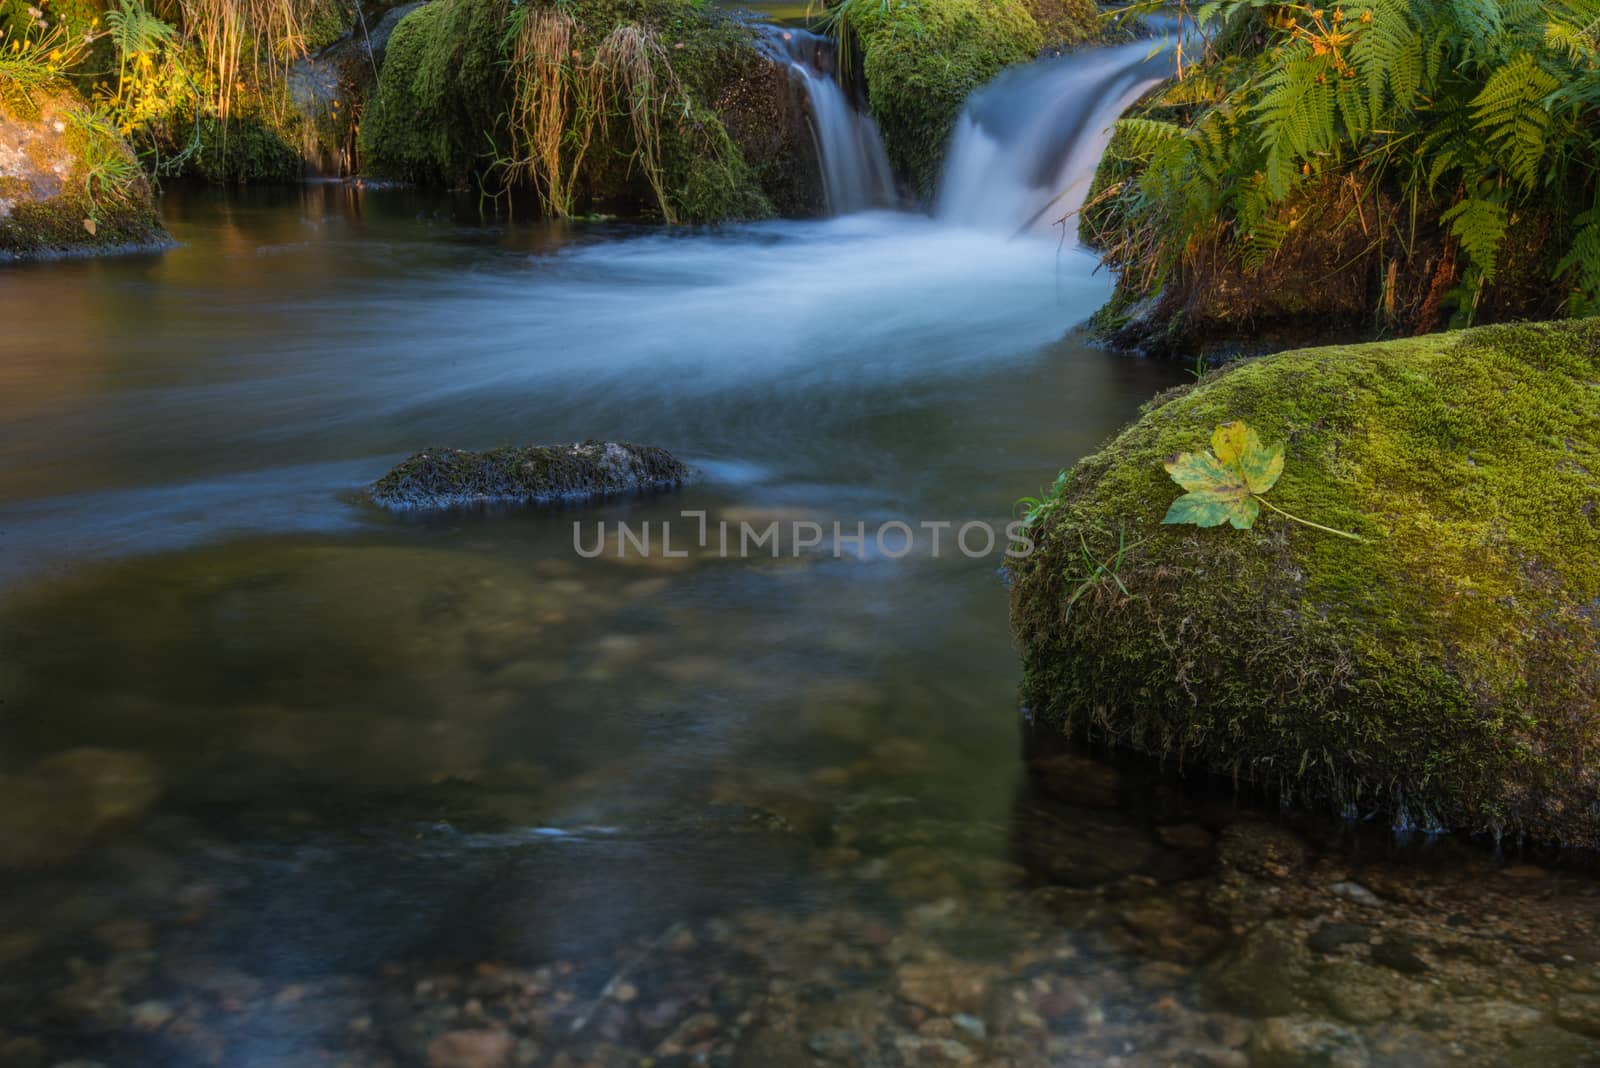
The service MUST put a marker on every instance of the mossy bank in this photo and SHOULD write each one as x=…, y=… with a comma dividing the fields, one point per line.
x=1445, y=671
x=69, y=186
x=921, y=59
x=485, y=95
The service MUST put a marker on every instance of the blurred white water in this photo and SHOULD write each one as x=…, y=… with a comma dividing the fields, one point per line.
x=855, y=168
x=1027, y=144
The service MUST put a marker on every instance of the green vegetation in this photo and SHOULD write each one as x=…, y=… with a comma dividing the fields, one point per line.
x=593, y=103
x=76, y=186
x=1370, y=165
x=1445, y=668
x=922, y=58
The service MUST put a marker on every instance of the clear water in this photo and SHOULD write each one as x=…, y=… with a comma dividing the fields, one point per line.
x=426, y=776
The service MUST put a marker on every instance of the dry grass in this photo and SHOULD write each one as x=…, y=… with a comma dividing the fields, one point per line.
x=562, y=102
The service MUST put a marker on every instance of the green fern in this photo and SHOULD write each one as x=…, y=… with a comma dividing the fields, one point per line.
x=1510, y=111
x=1463, y=111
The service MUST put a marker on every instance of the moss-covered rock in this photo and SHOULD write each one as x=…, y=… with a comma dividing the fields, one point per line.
x=445, y=478
x=923, y=58
x=68, y=184
x=1067, y=23
x=440, y=114
x=1445, y=671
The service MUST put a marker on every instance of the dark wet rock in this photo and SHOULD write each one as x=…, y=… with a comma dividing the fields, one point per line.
x=1258, y=976
x=377, y=34
x=1186, y=836
x=446, y=478
x=1261, y=849
x=1358, y=993
x=1170, y=933
x=1078, y=780
x=1330, y=937
x=48, y=813
x=21, y=1052
x=1399, y=956
x=1579, y=1014
x=1300, y=1041
x=944, y=986
x=480, y=1048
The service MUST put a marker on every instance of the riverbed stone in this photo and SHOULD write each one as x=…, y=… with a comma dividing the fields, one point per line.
x=447, y=478
x=1297, y=1041
x=477, y=1048
x=1580, y=1014
x=50, y=811
x=1330, y=937
x=1358, y=993
x=1259, y=974
x=1444, y=668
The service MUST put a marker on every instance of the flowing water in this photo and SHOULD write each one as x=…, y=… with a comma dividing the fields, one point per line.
x=855, y=167
x=1026, y=145
x=289, y=780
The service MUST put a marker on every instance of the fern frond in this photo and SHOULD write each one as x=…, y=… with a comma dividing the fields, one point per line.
x=1510, y=110
x=1580, y=267
x=1479, y=223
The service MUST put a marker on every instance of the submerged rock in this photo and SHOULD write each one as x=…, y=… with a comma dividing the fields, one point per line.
x=448, y=478
x=53, y=153
x=1445, y=670
x=53, y=809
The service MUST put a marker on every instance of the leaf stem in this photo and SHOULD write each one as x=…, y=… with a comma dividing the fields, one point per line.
x=1309, y=523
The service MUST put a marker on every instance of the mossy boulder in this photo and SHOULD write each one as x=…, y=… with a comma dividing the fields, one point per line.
x=448, y=478
x=440, y=113
x=1067, y=24
x=921, y=60
x=1445, y=671
x=68, y=185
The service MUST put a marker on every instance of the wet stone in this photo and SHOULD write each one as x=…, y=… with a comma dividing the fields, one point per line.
x=1078, y=780
x=483, y=1048
x=1258, y=976
x=1296, y=1041
x=1579, y=1014
x=1357, y=993
x=1330, y=937
x=1262, y=850
x=1399, y=956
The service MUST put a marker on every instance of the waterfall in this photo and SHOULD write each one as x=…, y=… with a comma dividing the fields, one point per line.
x=855, y=169
x=1027, y=144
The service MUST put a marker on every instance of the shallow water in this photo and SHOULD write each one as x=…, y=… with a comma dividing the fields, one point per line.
x=378, y=783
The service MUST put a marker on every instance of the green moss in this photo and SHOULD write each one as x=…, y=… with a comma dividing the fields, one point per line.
x=1067, y=23
x=325, y=23
x=250, y=148
x=439, y=116
x=439, y=109
x=923, y=58
x=120, y=206
x=1447, y=669
x=443, y=478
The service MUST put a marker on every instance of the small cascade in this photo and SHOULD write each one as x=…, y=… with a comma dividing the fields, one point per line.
x=855, y=169
x=1027, y=144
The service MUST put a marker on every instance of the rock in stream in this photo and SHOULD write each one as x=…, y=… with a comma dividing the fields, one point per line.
x=448, y=478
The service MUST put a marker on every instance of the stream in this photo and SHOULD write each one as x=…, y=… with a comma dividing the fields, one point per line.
x=290, y=780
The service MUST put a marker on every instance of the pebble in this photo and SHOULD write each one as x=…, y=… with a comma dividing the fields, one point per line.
x=1400, y=957
x=1357, y=893
x=482, y=1048
x=1332, y=936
